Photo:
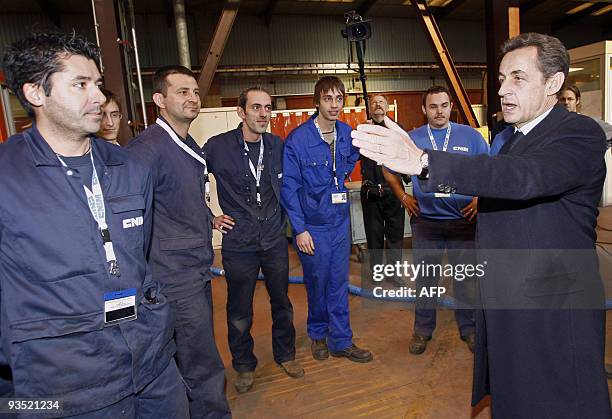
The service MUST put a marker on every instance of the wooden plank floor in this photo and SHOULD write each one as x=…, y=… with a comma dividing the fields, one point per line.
x=396, y=384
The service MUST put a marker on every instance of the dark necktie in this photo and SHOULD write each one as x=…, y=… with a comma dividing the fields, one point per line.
x=512, y=141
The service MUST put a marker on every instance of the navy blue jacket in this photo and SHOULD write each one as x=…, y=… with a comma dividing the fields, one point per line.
x=53, y=276
x=226, y=159
x=308, y=182
x=541, y=194
x=181, y=251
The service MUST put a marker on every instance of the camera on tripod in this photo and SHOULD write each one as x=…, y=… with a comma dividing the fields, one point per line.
x=356, y=29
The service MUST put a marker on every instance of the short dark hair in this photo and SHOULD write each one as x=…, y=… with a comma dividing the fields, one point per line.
x=110, y=97
x=160, y=84
x=325, y=84
x=242, y=99
x=572, y=88
x=433, y=90
x=552, y=55
x=35, y=59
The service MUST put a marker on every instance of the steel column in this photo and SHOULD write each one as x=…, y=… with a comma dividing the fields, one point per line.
x=182, y=37
x=114, y=68
x=217, y=44
x=443, y=56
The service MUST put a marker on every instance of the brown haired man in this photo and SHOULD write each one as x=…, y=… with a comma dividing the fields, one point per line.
x=247, y=165
x=318, y=158
x=540, y=339
x=181, y=251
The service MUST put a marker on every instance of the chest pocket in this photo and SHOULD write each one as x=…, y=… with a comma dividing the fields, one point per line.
x=127, y=221
x=317, y=170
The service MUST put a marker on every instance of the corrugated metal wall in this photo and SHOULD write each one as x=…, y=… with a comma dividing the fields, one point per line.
x=317, y=39
x=231, y=87
x=156, y=40
x=288, y=40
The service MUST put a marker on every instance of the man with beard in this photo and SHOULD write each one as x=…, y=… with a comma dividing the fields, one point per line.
x=383, y=215
x=442, y=220
x=181, y=251
x=247, y=165
x=83, y=322
x=540, y=339
x=318, y=157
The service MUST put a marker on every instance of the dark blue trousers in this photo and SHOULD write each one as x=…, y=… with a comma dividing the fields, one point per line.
x=241, y=270
x=197, y=355
x=164, y=397
x=429, y=240
x=326, y=279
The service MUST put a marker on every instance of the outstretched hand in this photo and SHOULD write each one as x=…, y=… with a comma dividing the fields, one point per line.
x=391, y=146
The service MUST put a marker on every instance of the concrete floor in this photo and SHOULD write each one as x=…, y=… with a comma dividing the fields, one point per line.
x=436, y=384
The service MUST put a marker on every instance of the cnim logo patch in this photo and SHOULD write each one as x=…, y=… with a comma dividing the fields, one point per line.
x=132, y=222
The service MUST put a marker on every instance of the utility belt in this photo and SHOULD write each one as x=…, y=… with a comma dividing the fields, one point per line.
x=373, y=190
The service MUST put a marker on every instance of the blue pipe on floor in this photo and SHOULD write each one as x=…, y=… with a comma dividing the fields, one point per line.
x=445, y=301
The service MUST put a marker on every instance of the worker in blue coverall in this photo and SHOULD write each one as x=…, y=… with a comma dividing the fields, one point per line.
x=83, y=322
x=318, y=157
x=181, y=251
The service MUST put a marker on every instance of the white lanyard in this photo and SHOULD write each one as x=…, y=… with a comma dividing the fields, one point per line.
x=335, y=150
x=256, y=173
x=189, y=151
x=95, y=201
x=433, y=141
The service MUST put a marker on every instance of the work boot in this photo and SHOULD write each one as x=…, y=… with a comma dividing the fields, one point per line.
x=318, y=347
x=292, y=368
x=355, y=354
x=244, y=382
x=418, y=344
x=470, y=340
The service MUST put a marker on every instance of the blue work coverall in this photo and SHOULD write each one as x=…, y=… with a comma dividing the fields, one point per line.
x=53, y=277
x=306, y=195
x=181, y=255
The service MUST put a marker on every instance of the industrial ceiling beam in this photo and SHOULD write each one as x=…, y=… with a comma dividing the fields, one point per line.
x=365, y=7
x=51, y=11
x=502, y=19
x=442, y=12
x=269, y=11
x=568, y=20
x=114, y=71
x=217, y=44
x=446, y=62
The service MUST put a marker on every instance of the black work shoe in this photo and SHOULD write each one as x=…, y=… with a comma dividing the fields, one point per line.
x=353, y=353
x=292, y=368
x=244, y=382
x=318, y=347
x=470, y=340
x=418, y=344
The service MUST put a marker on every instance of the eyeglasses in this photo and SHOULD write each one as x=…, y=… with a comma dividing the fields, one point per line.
x=115, y=116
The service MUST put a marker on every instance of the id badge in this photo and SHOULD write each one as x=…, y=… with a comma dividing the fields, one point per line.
x=119, y=306
x=339, y=198
x=442, y=195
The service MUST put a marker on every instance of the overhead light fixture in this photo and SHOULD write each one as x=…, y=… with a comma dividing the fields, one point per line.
x=572, y=69
x=579, y=8
x=602, y=11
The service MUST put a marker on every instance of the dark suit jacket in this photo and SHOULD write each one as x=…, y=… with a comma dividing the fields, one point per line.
x=538, y=201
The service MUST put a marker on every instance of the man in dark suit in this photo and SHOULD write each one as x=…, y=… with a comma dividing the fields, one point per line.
x=540, y=337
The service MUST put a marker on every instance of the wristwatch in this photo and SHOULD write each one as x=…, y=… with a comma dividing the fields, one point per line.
x=424, y=166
